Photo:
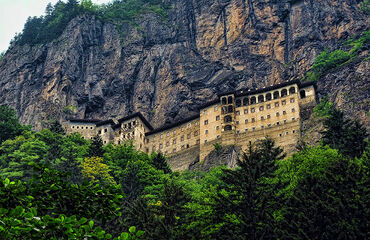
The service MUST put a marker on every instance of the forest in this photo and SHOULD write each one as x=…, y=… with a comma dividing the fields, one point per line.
x=58, y=186
x=51, y=25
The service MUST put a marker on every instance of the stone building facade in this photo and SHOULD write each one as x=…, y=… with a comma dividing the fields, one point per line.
x=235, y=118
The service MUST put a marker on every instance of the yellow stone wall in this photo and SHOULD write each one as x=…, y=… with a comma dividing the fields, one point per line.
x=175, y=139
x=87, y=130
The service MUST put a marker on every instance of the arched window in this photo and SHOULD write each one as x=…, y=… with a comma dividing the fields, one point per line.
x=230, y=108
x=230, y=100
x=276, y=95
x=228, y=128
x=284, y=92
x=228, y=119
x=246, y=101
x=223, y=100
x=268, y=97
x=253, y=100
x=261, y=98
x=302, y=93
x=238, y=102
x=224, y=109
x=292, y=90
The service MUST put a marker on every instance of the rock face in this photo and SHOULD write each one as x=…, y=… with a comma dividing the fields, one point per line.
x=167, y=68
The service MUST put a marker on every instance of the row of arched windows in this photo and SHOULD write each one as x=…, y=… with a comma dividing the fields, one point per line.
x=262, y=98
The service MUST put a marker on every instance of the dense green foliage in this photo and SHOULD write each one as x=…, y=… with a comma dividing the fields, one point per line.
x=46, y=28
x=53, y=186
x=330, y=60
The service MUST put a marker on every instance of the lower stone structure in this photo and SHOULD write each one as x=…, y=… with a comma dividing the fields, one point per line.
x=235, y=119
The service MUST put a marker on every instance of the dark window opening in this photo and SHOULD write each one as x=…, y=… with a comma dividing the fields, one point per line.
x=230, y=108
x=292, y=90
x=230, y=100
x=276, y=94
x=268, y=97
x=253, y=100
x=246, y=101
x=238, y=102
x=228, y=119
x=261, y=98
x=228, y=128
x=284, y=92
x=302, y=93
x=223, y=100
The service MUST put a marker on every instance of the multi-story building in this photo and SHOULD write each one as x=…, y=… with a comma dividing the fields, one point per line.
x=234, y=118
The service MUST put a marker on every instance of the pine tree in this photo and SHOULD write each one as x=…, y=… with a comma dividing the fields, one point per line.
x=244, y=208
x=345, y=135
x=160, y=163
x=96, y=147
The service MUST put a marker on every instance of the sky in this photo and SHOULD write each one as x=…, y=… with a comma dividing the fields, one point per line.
x=14, y=13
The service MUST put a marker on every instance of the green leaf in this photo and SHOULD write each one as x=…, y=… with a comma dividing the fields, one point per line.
x=132, y=229
x=124, y=236
x=91, y=223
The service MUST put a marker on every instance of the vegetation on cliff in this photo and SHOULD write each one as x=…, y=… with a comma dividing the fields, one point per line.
x=46, y=28
x=326, y=61
x=54, y=186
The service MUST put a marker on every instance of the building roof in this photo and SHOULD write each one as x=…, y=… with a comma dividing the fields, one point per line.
x=166, y=127
x=84, y=120
x=139, y=115
x=105, y=122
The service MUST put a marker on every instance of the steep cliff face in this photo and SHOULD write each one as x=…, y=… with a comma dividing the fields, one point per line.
x=167, y=68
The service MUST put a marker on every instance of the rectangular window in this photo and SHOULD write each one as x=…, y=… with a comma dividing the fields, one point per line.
x=284, y=112
x=246, y=121
x=253, y=120
x=218, y=136
x=168, y=134
x=237, y=112
x=268, y=116
x=262, y=127
x=283, y=102
x=196, y=123
x=196, y=133
x=277, y=123
x=269, y=125
x=198, y=141
x=183, y=147
x=216, y=108
x=189, y=125
x=204, y=112
x=246, y=129
x=293, y=119
x=292, y=100
x=277, y=114
x=245, y=111
x=182, y=138
x=293, y=110
x=285, y=121
x=237, y=132
x=261, y=108
x=105, y=130
x=189, y=136
x=217, y=118
x=253, y=128
x=217, y=127
x=174, y=141
x=205, y=122
x=161, y=136
x=276, y=104
x=167, y=144
x=205, y=141
x=206, y=131
x=268, y=106
x=252, y=110
x=237, y=122
x=262, y=118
